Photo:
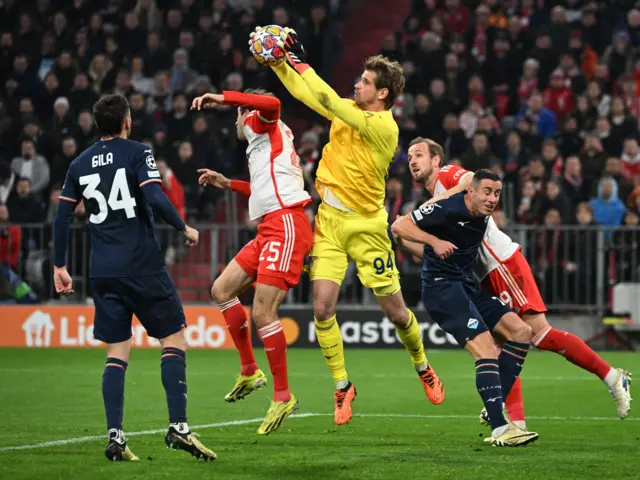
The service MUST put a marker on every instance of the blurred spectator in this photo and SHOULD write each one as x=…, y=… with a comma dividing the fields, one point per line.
x=24, y=208
x=574, y=183
x=8, y=180
x=172, y=187
x=556, y=199
x=10, y=240
x=394, y=200
x=543, y=119
x=32, y=166
x=558, y=97
x=631, y=157
x=607, y=208
x=479, y=155
x=61, y=162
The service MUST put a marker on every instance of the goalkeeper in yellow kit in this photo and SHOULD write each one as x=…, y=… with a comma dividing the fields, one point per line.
x=352, y=222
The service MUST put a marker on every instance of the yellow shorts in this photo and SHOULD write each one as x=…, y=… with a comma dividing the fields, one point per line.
x=340, y=237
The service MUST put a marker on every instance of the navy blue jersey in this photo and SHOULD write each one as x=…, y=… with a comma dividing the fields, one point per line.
x=451, y=220
x=109, y=177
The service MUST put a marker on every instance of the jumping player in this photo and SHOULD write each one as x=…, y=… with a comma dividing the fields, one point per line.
x=505, y=272
x=352, y=222
x=452, y=295
x=275, y=258
x=119, y=183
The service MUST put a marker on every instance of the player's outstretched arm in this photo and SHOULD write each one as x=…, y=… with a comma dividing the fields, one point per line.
x=215, y=179
x=299, y=89
x=267, y=106
x=321, y=91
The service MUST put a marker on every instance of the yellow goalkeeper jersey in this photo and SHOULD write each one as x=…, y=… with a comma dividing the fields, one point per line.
x=361, y=146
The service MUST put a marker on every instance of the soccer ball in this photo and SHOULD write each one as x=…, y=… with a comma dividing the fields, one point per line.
x=264, y=45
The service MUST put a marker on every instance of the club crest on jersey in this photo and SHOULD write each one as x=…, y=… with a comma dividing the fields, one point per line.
x=427, y=209
x=151, y=162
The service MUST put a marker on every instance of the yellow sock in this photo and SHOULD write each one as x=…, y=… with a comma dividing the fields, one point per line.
x=412, y=339
x=330, y=339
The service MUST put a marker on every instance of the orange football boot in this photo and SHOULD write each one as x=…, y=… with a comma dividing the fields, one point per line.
x=342, y=413
x=432, y=385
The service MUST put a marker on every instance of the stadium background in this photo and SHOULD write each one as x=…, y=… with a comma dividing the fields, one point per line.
x=568, y=155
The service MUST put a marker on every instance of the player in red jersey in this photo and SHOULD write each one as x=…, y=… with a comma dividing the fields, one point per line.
x=274, y=259
x=504, y=271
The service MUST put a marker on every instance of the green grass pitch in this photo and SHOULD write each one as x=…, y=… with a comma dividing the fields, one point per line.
x=54, y=395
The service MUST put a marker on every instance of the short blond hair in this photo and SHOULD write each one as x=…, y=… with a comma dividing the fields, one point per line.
x=389, y=75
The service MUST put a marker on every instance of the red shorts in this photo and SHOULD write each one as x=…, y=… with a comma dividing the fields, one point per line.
x=514, y=283
x=276, y=256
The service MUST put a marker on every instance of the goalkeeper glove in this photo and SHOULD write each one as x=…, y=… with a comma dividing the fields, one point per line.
x=295, y=51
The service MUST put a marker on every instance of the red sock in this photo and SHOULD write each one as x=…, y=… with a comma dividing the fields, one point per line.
x=275, y=346
x=238, y=326
x=573, y=349
x=515, y=402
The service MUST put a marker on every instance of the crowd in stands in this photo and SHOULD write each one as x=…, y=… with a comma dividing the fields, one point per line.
x=58, y=56
x=543, y=93
x=546, y=95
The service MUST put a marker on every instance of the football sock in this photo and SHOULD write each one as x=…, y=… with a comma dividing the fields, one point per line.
x=573, y=349
x=412, y=339
x=511, y=360
x=181, y=427
x=113, y=391
x=239, y=328
x=515, y=402
x=275, y=346
x=330, y=340
x=174, y=380
x=490, y=390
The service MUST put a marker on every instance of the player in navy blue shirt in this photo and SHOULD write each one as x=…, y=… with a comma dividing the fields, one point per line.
x=452, y=231
x=119, y=183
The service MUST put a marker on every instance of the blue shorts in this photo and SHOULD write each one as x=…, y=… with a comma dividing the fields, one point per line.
x=152, y=298
x=461, y=310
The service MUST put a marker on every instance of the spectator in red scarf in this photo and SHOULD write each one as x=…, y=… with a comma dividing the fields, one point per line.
x=394, y=199
x=553, y=161
x=10, y=236
x=456, y=16
x=528, y=81
x=172, y=188
x=631, y=157
x=558, y=97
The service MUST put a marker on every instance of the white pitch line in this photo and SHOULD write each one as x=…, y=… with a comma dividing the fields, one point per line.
x=69, y=441
x=534, y=378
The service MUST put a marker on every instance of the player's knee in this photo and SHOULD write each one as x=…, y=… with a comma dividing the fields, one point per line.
x=522, y=333
x=263, y=316
x=219, y=293
x=177, y=340
x=398, y=316
x=323, y=309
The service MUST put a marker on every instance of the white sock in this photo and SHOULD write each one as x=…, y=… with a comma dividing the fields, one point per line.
x=181, y=427
x=521, y=424
x=422, y=367
x=340, y=384
x=611, y=379
x=118, y=435
x=499, y=431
